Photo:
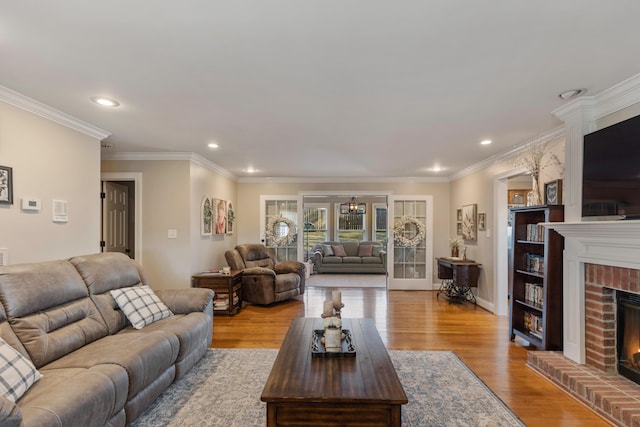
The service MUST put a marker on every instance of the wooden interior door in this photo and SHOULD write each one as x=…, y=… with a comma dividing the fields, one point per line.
x=115, y=217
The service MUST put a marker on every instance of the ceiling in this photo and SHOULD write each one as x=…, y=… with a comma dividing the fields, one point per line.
x=295, y=88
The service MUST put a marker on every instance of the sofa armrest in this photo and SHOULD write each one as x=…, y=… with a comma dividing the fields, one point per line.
x=383, y=257
x=289, y=267
x=10, y=414
x=258, y=271
x=185, y=301
x=317, y=257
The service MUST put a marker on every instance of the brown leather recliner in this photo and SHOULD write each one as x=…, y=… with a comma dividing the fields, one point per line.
x=264, y=279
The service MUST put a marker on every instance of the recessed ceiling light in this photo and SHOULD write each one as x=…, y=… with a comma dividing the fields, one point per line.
x=251, y=170
x=436, y=169
x=105, y=102
x=571, y=93
x=213, y=145
x=486, y=142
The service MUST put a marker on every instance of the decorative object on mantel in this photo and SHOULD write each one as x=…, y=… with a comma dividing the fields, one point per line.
x=273, y=234
x=400, y=228
x=353, y=207
x=534, y=161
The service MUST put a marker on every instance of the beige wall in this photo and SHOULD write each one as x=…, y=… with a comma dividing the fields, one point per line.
x=49, y=161
x=249, y=193
x=478, y=188
x=172, y=191
x=208, y=251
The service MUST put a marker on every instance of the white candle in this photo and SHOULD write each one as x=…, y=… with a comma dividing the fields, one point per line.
x=328, y=308
x=336, y=297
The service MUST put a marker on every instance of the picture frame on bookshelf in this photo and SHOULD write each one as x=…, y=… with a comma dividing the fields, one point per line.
x=553, y=192
x=470, y=222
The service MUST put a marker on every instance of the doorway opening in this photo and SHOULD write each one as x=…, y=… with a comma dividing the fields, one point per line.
x=324, y=224
x=121, y=214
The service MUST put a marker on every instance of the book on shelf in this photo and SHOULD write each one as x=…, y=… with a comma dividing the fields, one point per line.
x=533, y=324
x=534, y=293
x=221, y=301
x=535, y=263
x=535, y=233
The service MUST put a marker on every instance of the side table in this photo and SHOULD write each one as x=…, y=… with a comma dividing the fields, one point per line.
x=228, y=289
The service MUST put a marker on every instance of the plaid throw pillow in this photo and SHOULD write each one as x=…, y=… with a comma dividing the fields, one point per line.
x=141, y=305
x=17, y=373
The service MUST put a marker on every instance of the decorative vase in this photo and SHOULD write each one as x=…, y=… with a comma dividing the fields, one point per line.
x=454, y=252
x=332, y=340
x=533, y=196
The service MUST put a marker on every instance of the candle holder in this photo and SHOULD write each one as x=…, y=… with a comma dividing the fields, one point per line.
x=337, y=309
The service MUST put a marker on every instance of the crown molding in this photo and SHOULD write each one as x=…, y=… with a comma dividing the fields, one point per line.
x=164, y=155
x=340, y=180
x=615, y=98
x=36, y=107
x=552, y=134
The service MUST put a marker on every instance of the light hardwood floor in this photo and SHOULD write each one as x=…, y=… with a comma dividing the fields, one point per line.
x=418, y=320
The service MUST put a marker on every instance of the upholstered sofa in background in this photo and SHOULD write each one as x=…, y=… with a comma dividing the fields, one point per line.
x=97, y=370
x=264, y=279
x=358, y=257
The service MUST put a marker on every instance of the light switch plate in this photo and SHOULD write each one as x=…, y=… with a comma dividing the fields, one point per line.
x=172, y=234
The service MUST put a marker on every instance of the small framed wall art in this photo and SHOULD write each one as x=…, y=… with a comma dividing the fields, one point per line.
x=469, y=222
x=6, y=185
x=553, y=192
x=482, y=221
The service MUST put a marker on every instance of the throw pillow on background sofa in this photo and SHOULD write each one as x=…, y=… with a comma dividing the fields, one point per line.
x=365, y=250
x=338, y=250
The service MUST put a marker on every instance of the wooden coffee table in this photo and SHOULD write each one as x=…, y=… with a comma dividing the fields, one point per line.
x=351, y=391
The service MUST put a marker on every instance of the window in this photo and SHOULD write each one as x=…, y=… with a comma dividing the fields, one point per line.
x=380, y=222
x=315, y=225
x=350, y=226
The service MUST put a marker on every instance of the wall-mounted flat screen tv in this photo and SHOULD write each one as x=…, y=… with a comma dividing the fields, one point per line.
x=611, y=172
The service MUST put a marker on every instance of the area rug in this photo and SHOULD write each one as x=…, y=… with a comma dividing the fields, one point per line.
x=224, y=389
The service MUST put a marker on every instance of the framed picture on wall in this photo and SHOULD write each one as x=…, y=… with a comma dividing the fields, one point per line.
x=469, y=222
x=553, y=192
x=459, y=215
x=231, y=217
x=482, y=221
x=221, y=216
x=459, y=229
x=6, y=185
x=206, y=217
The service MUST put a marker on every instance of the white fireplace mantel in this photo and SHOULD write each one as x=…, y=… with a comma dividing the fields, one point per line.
x=615, y=243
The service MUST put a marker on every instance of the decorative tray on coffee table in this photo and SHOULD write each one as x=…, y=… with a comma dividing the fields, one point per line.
x=348, y=349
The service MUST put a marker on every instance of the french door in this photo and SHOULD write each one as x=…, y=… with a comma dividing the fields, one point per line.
x=411, y=242
x=280, y=226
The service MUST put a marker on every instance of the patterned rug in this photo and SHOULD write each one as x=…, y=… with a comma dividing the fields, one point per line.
x=224, y=390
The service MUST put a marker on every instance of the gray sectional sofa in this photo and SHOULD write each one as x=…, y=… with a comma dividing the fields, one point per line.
x=356, y=260
x=97, y=370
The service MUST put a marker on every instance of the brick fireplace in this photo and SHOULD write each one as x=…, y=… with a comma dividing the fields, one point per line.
x=599, y=259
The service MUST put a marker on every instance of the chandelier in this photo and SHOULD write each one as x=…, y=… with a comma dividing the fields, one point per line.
x=353, y=207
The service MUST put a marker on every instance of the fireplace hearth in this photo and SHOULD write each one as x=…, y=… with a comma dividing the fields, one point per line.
x=628, y=335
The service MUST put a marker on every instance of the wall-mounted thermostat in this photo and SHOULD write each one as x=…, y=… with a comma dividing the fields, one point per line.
x=60, y=211
x=30, y=204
